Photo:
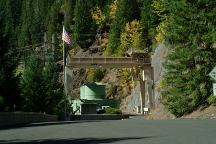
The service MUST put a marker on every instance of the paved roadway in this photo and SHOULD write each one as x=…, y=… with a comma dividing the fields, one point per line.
x=130, y=131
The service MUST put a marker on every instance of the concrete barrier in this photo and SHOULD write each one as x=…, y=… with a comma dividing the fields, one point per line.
x=18, y=118
x=99, y=117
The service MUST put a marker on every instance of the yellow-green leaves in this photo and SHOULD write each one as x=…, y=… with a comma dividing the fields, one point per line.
x=98, y=16
x=131, y=37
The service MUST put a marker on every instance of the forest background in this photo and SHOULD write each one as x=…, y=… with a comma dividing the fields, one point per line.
x=186, y=27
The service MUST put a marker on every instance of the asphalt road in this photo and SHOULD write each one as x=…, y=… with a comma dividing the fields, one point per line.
x=130, y=131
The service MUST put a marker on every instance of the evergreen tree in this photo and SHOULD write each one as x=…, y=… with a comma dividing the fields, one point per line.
x=127, y=11
x=41, y=89
x=53, y=94
x=69, y=6
x=131, y=38
x=33, y=22
x=9, y=92
x=190, y=29
x=149, y=21
x=25, y=23
x=85, y=27
x=54, y=24
x=31, y=84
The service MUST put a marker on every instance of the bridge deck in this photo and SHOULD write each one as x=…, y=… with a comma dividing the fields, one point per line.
x=107, y=62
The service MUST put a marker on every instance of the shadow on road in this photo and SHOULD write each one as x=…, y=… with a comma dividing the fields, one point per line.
x=45, y=124
x=75, y=141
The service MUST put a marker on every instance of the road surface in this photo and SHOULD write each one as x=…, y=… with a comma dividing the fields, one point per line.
x=130, y=131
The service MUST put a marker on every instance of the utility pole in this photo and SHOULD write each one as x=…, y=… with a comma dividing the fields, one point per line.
x=53, y=47
x=45, y=48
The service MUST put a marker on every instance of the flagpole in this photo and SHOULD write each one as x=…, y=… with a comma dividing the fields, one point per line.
x=66, y=39
x=64, y=76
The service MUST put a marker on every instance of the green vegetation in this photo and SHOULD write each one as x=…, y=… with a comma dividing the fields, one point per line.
x=212, y=100
x=112, y=111
x=186, y=27
x=23, y=23
x=95, y=75
x=41, y=90
x=112, y=90
x=84, y=27
x=9, y=90
x=126, y=11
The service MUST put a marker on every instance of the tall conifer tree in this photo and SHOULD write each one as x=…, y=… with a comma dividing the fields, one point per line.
x=190, y=30
x=85, y=27
x=9, y=92
x=127, y=11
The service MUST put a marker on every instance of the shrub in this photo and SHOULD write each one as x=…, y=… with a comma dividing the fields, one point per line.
x=112, y=90
x=212, y=99
x=1, y=100
x=95, y=75
x=112, y=111
x=179, y=105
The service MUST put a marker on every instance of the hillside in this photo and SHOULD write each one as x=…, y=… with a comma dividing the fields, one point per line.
x=179, y=35
x=204, y=112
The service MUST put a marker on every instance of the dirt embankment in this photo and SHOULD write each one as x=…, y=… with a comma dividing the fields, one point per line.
x=161, y=113
x=202, y=113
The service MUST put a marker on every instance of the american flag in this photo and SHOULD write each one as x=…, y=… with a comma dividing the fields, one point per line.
x=66, y=37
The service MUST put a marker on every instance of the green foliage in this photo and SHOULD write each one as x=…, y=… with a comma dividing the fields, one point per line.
x=9, y=90
x=113, y=9
x=54, y=26
x=212, y=99
x=131, y=37
x=149, y=21
x=127, y=10
x=84, y=27
x=38, y=17
x=112, y=111
x=53, y=89
x=31, y=85
x=68, y=7
x=1, y=102
x=41, y=89
x=98, y=16
x=95, y=75
x=177, y=104
x=187, y=28
x=112, y=90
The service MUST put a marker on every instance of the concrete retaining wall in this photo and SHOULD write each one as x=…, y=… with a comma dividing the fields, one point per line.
x=99, y=117
x=18, y=118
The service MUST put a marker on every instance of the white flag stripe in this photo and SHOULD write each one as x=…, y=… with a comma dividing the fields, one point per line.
x=66, y=37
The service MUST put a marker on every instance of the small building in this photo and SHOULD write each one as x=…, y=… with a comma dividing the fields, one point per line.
x=92, y=99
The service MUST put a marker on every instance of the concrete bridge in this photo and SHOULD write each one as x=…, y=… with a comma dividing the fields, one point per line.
x=143, y=67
